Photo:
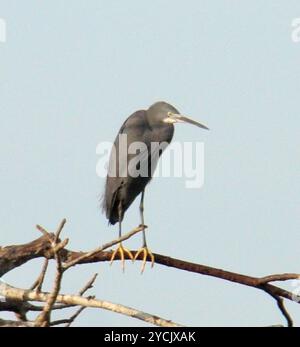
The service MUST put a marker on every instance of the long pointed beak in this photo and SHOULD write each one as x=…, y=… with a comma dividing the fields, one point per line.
x=179, y=118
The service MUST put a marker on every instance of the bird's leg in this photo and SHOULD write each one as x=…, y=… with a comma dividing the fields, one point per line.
x=121, y=250
x=120, y=217
x=144, y=250
x=142, y=218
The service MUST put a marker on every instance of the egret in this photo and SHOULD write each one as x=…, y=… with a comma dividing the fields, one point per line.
x=128, y=177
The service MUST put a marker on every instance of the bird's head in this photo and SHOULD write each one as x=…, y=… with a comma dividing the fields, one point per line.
x=162, y=112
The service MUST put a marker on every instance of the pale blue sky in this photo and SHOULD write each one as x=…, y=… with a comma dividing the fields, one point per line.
x=72, y=71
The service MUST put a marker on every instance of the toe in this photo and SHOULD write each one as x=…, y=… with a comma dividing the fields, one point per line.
x=113, y=256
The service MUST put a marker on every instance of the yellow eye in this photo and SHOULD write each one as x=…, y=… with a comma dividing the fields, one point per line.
x=169, y=114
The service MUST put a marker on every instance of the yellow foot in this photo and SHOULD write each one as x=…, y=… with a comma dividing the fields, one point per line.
x=146, y=253
x=122, y=251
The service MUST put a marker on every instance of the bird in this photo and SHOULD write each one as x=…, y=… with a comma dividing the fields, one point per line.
x=150, y=131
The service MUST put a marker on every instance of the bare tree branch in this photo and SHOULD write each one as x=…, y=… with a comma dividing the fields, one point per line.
x=43, y=319
x=14, y=324
x=255, y=282
x=100, y=249
x=17, y=255
x=29, y=295
x=76, y=314
x=283, y=310
x=49, y=246
x=37, y=285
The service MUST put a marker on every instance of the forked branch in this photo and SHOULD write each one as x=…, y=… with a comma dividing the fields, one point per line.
x=49, y=246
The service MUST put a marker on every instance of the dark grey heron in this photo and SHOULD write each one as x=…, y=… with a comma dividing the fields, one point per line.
x=129, y=173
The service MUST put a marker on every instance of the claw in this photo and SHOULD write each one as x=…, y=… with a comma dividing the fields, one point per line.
x=121, y=250
x=146, y=252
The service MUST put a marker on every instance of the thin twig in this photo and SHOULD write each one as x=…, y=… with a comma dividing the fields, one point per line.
x=59, y=322
x=37, y=285
x=102, y=248
x=88, y=286
x=279, y=277
x=59, y=230
x=68, y=321
x=82, y=291
x=43, y=318
x=76, y=314
x=42, y=230
x=282, y=308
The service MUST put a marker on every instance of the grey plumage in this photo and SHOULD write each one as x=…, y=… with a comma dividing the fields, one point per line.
x=150, y=131
x=146, y=126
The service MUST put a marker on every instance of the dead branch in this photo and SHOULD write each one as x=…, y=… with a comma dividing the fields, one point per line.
x=43, y=319
x=15, y=324
x=17, y=255
x=13, y=293
x=37, y=285
x=49, y=246
x=100, y=249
